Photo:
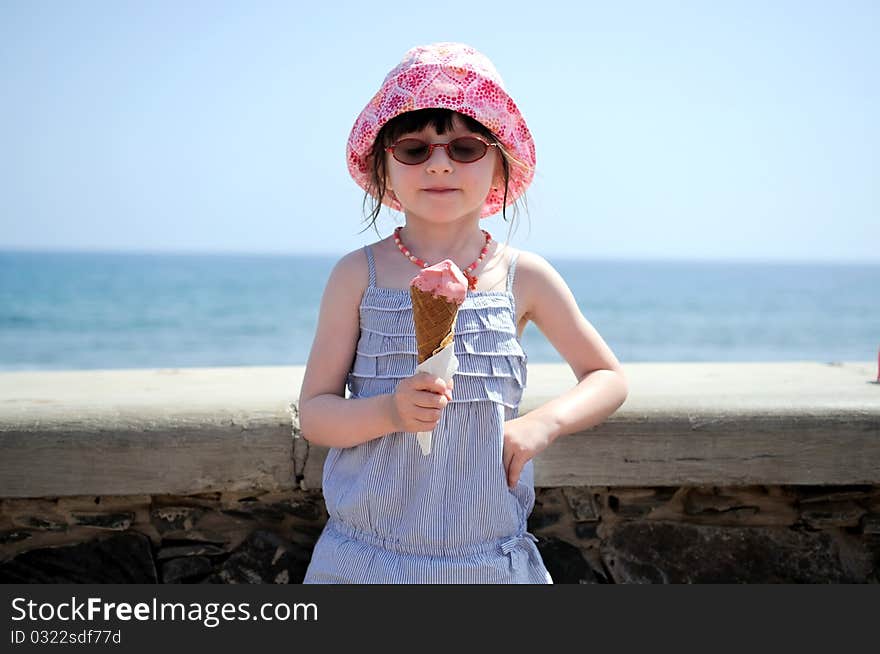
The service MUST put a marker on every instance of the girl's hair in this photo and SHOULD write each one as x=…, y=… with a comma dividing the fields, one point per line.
x=414, y=121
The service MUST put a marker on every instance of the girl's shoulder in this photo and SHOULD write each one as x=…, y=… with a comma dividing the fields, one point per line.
x=351, y=273
x=353, y=268
x=354, y=262
x=536, y=282
x=532, y=268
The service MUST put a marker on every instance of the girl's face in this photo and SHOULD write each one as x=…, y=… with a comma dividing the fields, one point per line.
x=441, y=189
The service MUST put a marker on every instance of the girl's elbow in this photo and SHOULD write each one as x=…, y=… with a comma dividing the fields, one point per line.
x=306, y=427
x=313, y=437
x=622, y=387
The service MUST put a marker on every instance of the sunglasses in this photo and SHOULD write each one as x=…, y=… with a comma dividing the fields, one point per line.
x=464, y=149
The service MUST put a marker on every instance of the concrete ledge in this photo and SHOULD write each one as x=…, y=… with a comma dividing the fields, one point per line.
x=124, y=432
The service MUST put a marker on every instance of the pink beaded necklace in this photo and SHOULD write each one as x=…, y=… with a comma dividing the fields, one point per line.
x=468, y=272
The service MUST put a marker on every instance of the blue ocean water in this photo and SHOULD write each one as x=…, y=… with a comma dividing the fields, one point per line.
x=103, y=310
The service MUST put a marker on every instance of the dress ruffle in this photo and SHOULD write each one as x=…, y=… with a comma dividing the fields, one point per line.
x=492, y=363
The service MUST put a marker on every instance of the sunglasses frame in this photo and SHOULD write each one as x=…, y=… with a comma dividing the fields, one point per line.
x=445, y=146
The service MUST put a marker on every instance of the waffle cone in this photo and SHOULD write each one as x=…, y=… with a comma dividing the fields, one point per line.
x=435, y=321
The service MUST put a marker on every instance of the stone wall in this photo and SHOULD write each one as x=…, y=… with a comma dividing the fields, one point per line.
x=659, y=534
x=709, y=472
x=705, y=534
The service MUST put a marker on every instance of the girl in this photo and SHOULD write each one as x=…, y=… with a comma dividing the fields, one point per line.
x=442, y=142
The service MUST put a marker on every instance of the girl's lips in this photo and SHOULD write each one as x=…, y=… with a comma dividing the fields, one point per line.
x=439, y=190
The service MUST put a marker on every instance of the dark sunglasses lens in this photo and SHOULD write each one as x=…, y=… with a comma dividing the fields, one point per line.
x=411, y=151
x=466, y=149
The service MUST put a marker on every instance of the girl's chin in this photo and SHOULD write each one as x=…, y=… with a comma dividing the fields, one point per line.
x=442, y=217
x=437, y=212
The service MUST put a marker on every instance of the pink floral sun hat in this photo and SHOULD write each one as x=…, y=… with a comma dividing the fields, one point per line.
x=449, y=76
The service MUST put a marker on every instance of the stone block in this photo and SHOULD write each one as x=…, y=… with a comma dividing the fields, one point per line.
x=34, y=514
x=186, y=569
x=565, y=563
x=664, y=552
x=255, y=510
x=582, y=502
x=550, y=506
x=586, y=530
x=264, y=558
x=628, y=503
x=38, y=523
x=309, y=508
x=826, y=515
x=106, y=503
x=175, y=519
x=121, y=559
x=870, y=524
x=711, y=500
x=109, y=521
x=841, y=493
x=189, y=549
x=274, y=506
x=541, y=519
x=737, y=506
x=14, y=536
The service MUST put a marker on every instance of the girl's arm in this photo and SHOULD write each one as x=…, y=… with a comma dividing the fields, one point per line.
x=602, y=386
x=325, y=416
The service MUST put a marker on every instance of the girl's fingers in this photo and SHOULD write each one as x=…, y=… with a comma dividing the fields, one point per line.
x=512, y=467
x=425, y=382
x=429, y=400
x=429, y=414
x=427, y=421
x=513, y=471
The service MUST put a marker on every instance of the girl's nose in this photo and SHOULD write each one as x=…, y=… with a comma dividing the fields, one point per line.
x=439, y=161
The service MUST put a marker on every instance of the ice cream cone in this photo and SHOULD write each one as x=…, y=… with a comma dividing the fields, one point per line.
x=437, y=292
x=434, y=318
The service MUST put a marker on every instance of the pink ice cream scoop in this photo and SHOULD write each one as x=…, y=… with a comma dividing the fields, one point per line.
x=443, y=279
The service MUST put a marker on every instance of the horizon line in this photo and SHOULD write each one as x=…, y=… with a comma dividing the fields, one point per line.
x=558, y=257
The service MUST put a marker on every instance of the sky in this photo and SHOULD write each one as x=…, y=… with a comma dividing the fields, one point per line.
x=664, y=130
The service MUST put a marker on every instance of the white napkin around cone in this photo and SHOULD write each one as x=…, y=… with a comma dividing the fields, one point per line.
x=443, y=364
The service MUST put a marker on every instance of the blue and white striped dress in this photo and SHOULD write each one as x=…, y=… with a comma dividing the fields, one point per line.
x=397, y=516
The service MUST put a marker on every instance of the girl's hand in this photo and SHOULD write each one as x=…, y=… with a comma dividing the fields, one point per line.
x=417, y=402
x=523, y=440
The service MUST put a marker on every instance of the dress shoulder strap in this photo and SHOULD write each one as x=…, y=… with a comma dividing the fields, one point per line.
x=371, y=264
x=511, y=271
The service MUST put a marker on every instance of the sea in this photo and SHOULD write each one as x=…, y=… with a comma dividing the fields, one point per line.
x=88, y=310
